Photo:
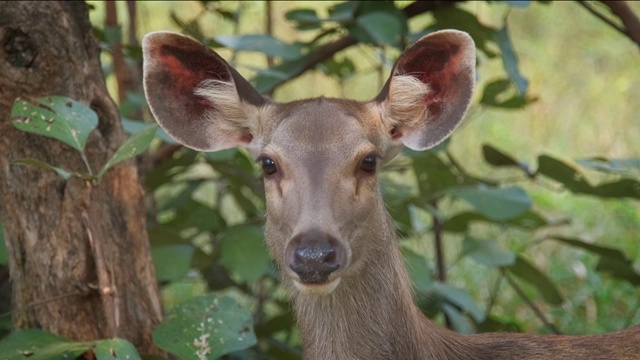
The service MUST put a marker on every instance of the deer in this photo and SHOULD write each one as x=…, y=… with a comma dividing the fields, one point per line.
x=326, y=225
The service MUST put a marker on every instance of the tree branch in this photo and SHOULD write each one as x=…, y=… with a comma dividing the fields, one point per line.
x=329, y=50
x=622, y=10
x=630, y=20
x=531, y=305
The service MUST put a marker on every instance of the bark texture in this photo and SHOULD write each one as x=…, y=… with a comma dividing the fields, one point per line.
x=79, y=256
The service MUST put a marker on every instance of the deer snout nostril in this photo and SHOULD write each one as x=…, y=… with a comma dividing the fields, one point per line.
x=314, y=255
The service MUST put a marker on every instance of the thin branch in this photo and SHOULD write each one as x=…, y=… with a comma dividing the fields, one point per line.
x=630, y=20
x=440, y=260
x=597, y=14
x=269, y=31
x=328, y=50
x=622, y=10
x=437, y=237
x=46, y=301
x=269, y=27
x=133, y=22
x=119, y=66
x=494, y=293
x=531, y=305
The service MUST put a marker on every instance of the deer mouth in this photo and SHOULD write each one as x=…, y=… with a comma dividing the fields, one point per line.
x=317, y=288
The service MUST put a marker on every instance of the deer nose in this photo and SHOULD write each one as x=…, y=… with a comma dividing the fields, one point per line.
x=314, y=255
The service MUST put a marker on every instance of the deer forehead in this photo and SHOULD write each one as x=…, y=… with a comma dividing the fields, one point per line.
x=325, y=129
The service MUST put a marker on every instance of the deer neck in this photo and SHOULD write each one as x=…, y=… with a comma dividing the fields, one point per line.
x=371, y=315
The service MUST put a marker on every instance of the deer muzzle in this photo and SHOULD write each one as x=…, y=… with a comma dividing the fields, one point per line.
x=314, y=256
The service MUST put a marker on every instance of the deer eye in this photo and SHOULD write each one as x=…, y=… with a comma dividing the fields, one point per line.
x=369, y=163
x=268, y=165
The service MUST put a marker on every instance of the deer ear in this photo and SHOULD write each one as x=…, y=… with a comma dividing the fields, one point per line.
x=429, y=89
x=195, y=96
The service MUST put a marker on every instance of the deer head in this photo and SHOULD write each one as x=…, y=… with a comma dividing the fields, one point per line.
x=320, y=156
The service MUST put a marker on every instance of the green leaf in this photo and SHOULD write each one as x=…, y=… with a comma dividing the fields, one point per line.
x=193, y=214
x=460, y=298
x=112, y=35
x=284, y=322
x=383, y=28
x=134, y=126
x=134, y=145
x=575, y=181
x=451, y=17
x=344, y=12
x=563, y=173
x=115, y=349
x=248, y=207
x=376, y=22
x=341, y=69
x=623, y=188
x=34, y=344
x=527, y=272
x=432, y=173
x=133, y=102
x=304, y=19
x=244, y=252
x=531, y=220
x=496, y=157
x=510, y=60
x=261, y=43
x=614, y=166
x=612, y=261
x=164, y=173
x=45, y=166
x=498, y=204
x=172, y=262
x=419, y=270
x=205, y=327
x=621, y=270
x=494, y=324
x=460, y=323
x=500, y=93
x=57, y=117
x=222, y=155
x=460, y=222
x=267, y=80
x=486, y=252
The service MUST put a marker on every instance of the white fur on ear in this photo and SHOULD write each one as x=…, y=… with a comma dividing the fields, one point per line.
x=429, y=89
x=228, y=105
x=406, y=102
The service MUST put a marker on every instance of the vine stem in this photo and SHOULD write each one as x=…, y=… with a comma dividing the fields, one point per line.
x=439, y=248
x=46, y=301
x=494, y=293
x=86, y=163
x=530, y=303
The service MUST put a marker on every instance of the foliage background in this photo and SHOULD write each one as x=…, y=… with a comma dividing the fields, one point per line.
x=581, y=102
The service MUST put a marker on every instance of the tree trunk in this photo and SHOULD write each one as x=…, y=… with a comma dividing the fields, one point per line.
x=79, y=256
